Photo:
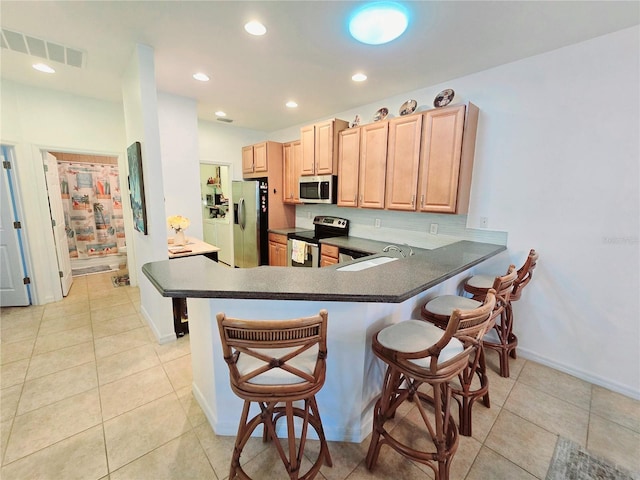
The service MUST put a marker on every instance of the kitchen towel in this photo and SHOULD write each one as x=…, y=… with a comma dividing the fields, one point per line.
x=298, y=251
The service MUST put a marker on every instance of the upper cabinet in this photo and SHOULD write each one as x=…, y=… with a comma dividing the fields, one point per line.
x=446, y=159
x=292, y=158
x=403, y=159
x=421, y=162
x=373, y=161
x=256, y=158
x=319, y=147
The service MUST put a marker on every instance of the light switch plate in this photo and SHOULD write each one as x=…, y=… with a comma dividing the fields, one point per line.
x=433, y=229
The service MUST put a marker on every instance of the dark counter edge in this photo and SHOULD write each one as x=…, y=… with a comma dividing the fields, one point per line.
x=312, y=296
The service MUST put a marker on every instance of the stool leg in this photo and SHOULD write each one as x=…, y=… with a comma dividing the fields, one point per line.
x=380, y=412
x=320, y=431
x=239, y=443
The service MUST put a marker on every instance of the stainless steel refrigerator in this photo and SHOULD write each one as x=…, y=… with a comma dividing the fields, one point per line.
x=250, y=223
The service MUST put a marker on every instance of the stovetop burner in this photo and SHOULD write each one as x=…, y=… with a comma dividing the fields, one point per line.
x=325, y=227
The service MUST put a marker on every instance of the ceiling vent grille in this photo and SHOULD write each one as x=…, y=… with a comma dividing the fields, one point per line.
x=19, y=42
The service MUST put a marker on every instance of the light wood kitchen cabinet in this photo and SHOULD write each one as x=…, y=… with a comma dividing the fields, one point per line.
x=292, y=158
x=348, y=167
x=328, y=255
x=319, y=147
x=256, y=158
x=446, y=159
x=277, y=250
x=403, y=159
x=373, y=161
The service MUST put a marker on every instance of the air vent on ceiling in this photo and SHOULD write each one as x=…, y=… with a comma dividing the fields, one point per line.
x=225, y=120
x=19, y=42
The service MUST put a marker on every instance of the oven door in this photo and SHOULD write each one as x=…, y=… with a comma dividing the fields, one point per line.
x=312, y=260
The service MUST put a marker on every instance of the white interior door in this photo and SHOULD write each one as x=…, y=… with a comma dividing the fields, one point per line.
x=57, y=215
x=13, y=291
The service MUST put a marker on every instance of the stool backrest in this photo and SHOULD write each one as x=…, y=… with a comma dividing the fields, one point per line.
x=474, y=323
x=525, y=274
x=503, y=287
x=273, y=344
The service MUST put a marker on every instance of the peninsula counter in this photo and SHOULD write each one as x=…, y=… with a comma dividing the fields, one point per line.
x=359, y=304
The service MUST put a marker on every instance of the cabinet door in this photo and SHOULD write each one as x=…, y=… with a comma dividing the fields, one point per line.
x=273, y=254
x=260, y=157
x=348, y=167
x=325, y=261
x=440, y=159
x=324, y=148
x=403, y=158
x=373, y=161
x=291, y=162
x=307, y=141
x=247, y=159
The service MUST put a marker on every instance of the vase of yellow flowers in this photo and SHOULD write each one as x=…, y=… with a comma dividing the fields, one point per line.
x=179, y=224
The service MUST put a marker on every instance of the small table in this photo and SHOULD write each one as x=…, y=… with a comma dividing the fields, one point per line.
x=193, y=247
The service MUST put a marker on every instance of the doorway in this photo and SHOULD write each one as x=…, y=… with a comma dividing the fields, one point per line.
x=15, y=290
x=84, y=190
x=217, y=224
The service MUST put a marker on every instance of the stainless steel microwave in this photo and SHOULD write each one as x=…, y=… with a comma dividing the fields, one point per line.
x=318, y=189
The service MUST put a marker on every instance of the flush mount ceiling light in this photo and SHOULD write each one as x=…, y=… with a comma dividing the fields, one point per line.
x=255, y=28
x=203, y=77
x=378, y=23
x=220, y=113
x=292, y=104
x=41, y=67
x=359, y=77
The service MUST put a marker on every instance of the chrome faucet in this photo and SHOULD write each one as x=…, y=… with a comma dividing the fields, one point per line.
x=388, y=248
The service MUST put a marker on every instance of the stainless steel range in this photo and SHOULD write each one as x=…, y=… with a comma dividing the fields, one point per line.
x=303, y=247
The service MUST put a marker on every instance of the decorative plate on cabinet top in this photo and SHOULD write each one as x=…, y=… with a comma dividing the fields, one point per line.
x=443, y=98
x=381, y=114
x=356, y=122
x=408, y=107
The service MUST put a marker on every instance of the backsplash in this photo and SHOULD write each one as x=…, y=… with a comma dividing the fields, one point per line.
x=401, y=227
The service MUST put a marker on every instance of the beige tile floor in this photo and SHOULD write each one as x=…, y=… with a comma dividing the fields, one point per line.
x=87, y=393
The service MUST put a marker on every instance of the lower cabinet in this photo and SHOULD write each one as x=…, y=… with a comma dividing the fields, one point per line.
x=218, y=234
x=328, y=255
x=277, y=250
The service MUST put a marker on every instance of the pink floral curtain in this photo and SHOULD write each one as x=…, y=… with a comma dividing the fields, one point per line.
x=92, y=202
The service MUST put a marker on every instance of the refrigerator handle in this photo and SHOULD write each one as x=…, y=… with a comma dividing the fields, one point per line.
x=242, y=220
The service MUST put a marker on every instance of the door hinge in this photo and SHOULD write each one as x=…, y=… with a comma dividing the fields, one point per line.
x=26, y=280
x=53, y=222
x=46, y=167
x=17, y=225
x=60, y=274
x=6, y=164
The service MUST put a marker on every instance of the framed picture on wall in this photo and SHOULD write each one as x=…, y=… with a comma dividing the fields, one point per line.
x=136, y=187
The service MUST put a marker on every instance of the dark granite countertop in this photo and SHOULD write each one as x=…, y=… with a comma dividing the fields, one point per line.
x=287, y=231
x=393, y=282
x=368, y=246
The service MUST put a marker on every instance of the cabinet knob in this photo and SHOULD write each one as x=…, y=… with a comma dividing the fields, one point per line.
x=413, y=200
x=422, y=200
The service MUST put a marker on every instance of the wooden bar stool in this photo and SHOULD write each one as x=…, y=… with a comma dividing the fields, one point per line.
x=438, y=311
x=501, y=338
x=275, y=363
x=416, y=353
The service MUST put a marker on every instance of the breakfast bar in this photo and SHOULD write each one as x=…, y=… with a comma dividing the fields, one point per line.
x=359, y=303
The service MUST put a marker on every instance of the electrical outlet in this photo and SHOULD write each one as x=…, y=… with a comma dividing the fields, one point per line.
x=484, y=222
x=376, y=223
x=433, y=229
x=309, y=215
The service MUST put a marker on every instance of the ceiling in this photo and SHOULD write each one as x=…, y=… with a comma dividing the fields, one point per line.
x=307, y=54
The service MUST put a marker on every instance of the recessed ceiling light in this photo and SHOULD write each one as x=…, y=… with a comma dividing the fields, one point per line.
x=292, y=104
x=255, y=28
x=203, y=77
x=220, y=113
x=41, y=67
x=378, y=23
x=359, y=77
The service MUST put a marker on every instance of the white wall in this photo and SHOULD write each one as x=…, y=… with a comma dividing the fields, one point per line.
x=557, y=167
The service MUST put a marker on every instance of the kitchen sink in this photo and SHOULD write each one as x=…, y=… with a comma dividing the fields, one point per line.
x=363, y=265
